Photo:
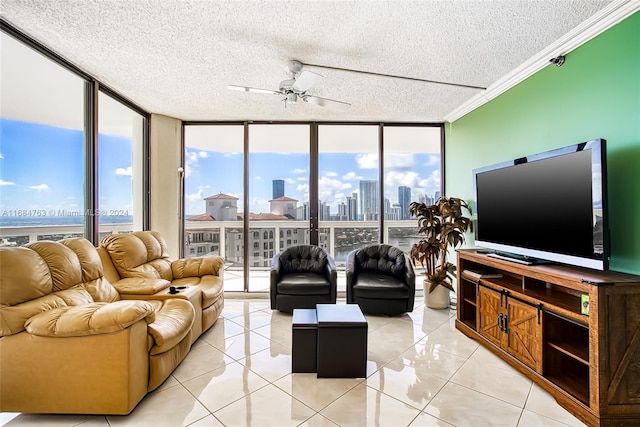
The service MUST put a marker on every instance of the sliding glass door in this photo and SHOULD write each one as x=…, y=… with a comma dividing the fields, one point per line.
x=213, y=197
x=278, y=183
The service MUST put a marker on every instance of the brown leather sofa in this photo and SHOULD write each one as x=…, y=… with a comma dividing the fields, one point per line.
x=138, y=265
x=70, y=344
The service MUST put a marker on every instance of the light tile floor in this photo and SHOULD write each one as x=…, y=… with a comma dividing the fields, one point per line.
x=421, y=372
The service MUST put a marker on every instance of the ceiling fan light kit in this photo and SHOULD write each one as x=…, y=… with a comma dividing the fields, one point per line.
x=295, y=88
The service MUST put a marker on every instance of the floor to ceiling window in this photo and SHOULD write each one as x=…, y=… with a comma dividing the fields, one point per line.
x=120, y=171
x=214, y=197
x=363, y=193
x=278, y=195
x=412, y=172
x=48, y=150
x=348, y=187
x=42, y=166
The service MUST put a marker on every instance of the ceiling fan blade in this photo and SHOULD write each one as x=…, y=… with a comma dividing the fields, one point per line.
x=306, y=80
x=325, y=102
x=254, y=90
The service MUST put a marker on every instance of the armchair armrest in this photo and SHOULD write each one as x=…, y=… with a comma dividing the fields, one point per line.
x=410, y=277
x=89, y=319
x=140, y=285
x=331, y=271
x=197, y=267
x=410, y=274
x=274, y=277
x=351, y=274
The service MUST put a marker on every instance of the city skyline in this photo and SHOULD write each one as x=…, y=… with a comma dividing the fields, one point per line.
x=339, y=177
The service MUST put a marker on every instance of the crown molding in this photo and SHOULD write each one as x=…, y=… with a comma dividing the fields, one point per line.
x=597, y=24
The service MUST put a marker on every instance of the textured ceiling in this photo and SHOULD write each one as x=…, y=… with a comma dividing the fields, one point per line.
x=177, y=57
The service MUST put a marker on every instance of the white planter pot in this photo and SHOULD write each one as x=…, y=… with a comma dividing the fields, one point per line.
x=438, y=299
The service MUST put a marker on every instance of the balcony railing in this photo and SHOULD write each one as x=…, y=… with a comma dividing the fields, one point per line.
x=225, y=238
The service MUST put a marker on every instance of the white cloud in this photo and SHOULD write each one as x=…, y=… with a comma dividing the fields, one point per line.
x=398, y=161
x=303, y=178
x=367, y=161
x=350, y=176
x=1, y=156
x=330, y=174
x=430, y=184
x=394, y=179
x=193, y=197
x=299, y=171
x=3, y=182
x=304, y=190
x=332, y=191
x=39, y=187
x=258, y=178
x=128, y=171
x=191, y=161
x=433, y=161
x=290, y=181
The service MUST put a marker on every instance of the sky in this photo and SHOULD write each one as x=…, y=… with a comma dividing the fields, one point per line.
x=42, y=168
x=212, y=172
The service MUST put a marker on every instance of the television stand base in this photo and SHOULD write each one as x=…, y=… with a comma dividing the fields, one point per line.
x=520, y=259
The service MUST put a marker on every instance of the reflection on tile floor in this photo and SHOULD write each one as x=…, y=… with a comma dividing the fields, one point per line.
x=421, y=372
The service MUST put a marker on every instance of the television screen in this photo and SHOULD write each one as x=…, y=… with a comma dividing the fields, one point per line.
x=548, y=206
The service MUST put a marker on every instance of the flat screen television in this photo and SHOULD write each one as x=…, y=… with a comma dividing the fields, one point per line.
x=550, y=206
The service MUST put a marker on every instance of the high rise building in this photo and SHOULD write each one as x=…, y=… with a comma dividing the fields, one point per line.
x=404, y=200
x=352, y=207
x=278, y=188
x=369, y=200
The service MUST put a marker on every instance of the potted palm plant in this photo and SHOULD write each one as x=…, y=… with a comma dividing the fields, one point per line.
x=441, y=225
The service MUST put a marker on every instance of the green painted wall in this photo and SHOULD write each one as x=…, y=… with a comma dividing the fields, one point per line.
x=595, y=94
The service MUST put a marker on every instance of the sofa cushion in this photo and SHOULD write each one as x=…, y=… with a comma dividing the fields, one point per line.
x=25, y=276
x=141, y=285
x=303, y=258
x=174, y=318
x=89, y=319
x=379, y=285
x=197, y=267
x=139, y=254
x=382, y=258
x=212, y=287
x=304, y=283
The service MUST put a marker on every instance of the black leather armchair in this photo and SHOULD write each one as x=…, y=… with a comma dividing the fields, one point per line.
x=301, y=277
x=381, y=280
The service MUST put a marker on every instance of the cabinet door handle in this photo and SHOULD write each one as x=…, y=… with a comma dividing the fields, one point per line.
x=505, y=323
x=501, y=321
x=539, y=310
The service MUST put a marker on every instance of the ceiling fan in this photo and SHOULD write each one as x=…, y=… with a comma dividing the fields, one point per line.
x=295, y=88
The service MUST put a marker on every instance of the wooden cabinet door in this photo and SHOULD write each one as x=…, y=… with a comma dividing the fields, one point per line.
x=491, y=307
x=525, y=334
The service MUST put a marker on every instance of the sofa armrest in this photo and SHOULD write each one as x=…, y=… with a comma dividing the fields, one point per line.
x=197, y=267
x=140, y=285
x=89, y=319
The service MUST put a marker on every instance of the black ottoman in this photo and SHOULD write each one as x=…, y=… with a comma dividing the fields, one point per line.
x=342, y=341
x=304, y=339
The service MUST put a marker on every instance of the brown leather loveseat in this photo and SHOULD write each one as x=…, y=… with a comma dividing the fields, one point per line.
x=139, y=266
x=70, y=344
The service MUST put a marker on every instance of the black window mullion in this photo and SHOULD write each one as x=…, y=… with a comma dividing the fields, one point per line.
x=91, y=226
x=313, y=186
